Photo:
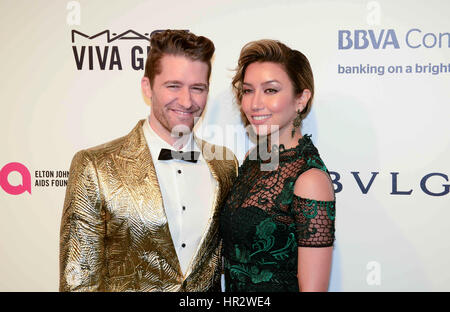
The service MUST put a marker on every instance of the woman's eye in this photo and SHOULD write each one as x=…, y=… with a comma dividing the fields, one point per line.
x=271, y=90
x=245, y=91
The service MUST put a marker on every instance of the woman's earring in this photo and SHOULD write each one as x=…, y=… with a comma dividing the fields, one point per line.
x=297, y=122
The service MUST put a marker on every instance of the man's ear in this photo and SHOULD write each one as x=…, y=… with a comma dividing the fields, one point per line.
x=146, y=87
x=302, y=99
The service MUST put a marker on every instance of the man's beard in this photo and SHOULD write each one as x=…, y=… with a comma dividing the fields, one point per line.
x=170, y=122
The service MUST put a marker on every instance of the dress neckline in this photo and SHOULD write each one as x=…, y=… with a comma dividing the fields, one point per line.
x=301, y=142
x=305, y=140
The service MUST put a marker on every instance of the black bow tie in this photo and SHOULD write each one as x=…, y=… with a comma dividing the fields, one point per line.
x=167, y=154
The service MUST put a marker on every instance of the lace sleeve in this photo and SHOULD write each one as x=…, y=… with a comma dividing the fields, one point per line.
x=314, y=221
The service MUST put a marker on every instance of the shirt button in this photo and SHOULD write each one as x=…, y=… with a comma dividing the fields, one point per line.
x=184, y=208
x=179, y=171
x=183, y=245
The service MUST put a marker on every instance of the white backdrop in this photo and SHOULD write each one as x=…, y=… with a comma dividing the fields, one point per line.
x=387, y=124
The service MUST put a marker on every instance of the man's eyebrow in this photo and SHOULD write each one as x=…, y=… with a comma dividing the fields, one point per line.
x=180, y=83
x=172, y=82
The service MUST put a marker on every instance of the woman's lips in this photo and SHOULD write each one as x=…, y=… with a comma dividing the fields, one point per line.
x=260, y=119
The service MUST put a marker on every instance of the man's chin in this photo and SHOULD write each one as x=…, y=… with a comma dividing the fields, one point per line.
x=184, y=128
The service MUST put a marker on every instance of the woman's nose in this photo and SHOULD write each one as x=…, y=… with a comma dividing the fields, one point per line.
x=257, y=101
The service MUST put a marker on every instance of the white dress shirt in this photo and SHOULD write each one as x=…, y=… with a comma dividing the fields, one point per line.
x=187, y=191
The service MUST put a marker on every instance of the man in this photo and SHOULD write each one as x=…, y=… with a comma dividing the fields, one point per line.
x=141, y=212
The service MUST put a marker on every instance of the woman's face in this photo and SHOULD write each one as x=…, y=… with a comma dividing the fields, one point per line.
x=268, y=98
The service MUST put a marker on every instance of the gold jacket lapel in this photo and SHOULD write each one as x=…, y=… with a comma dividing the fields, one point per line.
x=147, y=215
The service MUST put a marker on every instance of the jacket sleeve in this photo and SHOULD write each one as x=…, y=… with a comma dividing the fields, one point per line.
x=236, y=165
x=82, y=233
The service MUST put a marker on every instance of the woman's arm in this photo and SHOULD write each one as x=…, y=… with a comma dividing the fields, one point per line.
x=314, y=263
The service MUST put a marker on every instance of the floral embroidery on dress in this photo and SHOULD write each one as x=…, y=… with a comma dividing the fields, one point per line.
x=263, y=222
x=264, y=231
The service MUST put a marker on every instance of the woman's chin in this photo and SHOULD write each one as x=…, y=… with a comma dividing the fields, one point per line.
x=264, y=130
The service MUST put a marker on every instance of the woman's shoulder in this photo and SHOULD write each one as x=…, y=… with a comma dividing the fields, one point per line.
x=315, y=184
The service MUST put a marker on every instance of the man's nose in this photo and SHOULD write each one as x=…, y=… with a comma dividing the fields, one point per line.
x=185, y=98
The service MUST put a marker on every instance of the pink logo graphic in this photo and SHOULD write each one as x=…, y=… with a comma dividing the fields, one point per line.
x=15, y=189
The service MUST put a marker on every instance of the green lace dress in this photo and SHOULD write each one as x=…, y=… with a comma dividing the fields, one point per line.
x=263, y=222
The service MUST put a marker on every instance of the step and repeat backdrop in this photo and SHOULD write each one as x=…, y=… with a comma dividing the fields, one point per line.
x=70, y=80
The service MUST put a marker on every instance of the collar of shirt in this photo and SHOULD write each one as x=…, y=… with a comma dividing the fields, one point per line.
x=156, y=143
x=188, y=206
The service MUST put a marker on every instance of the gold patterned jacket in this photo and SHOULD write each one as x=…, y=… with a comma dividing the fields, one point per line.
x=114, y=231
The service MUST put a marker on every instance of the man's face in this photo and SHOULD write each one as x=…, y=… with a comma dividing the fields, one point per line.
x=178, y=94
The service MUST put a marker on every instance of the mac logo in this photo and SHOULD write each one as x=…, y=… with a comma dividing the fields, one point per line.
x=107, y=53
x=126, y=35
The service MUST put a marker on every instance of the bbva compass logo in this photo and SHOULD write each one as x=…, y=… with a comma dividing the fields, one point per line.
x=25, y=186
x=414, y=38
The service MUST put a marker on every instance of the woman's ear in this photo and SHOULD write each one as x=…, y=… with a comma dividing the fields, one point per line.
x=302, y=99
x=146, y=87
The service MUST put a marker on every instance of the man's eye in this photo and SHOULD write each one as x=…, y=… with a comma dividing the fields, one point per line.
x=199, y=89
x=173, y=86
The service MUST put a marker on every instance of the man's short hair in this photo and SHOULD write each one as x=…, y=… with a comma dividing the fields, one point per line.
x=178, y=43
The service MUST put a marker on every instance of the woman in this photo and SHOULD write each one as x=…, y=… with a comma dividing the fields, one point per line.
x=273, y=222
